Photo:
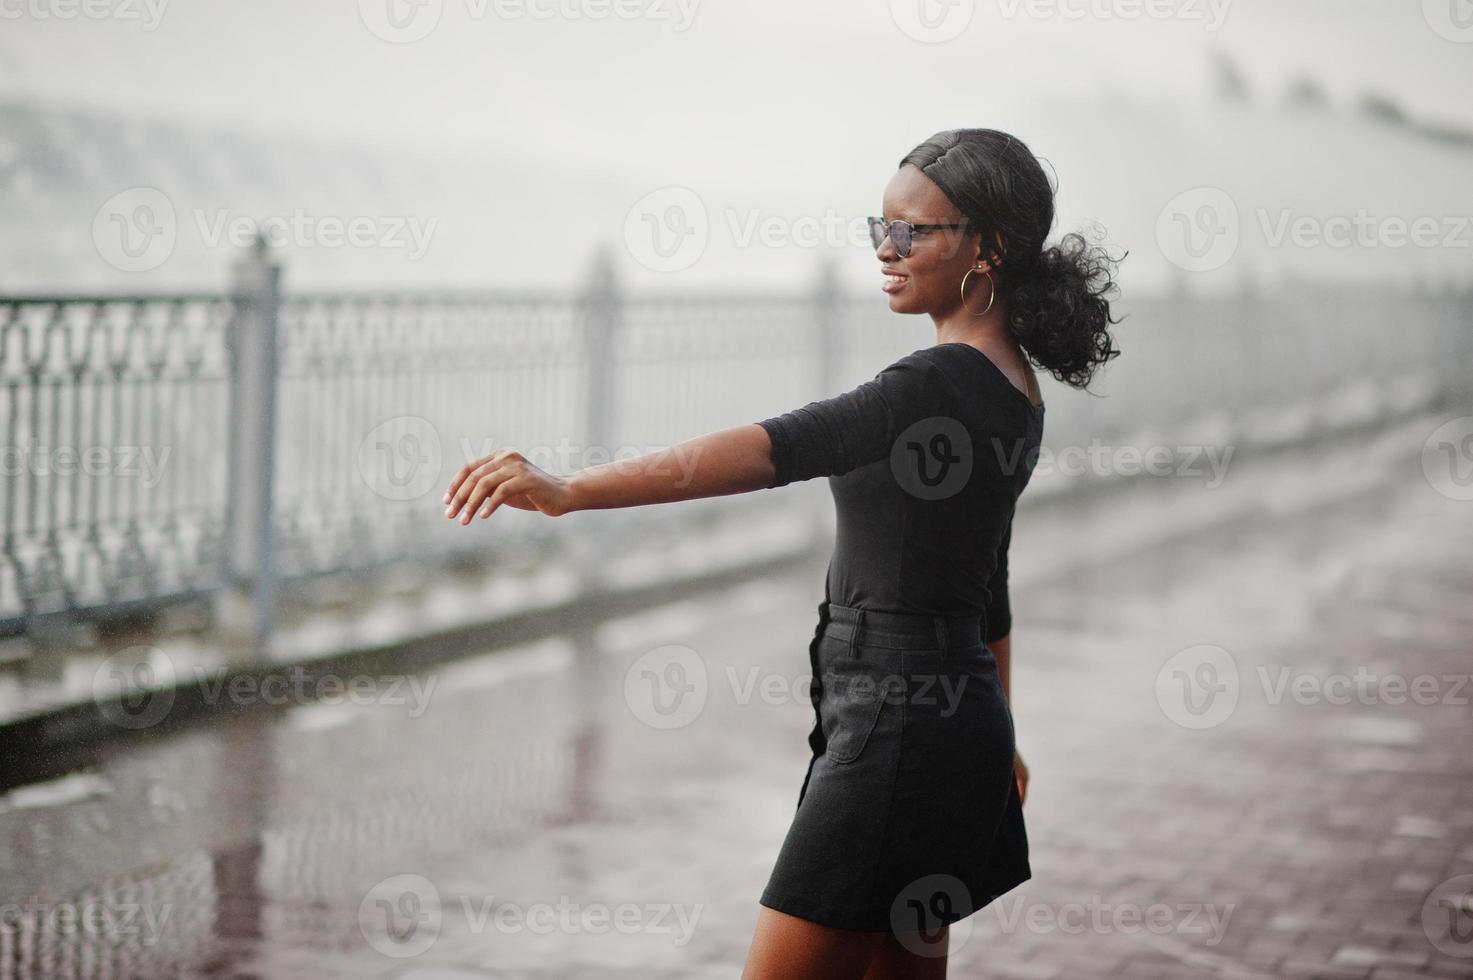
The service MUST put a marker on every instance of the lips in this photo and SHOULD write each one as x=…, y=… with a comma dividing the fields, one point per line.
x=893, y=280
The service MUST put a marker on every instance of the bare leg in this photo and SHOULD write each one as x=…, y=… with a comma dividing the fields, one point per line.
x=786, y=947
x=895, y=960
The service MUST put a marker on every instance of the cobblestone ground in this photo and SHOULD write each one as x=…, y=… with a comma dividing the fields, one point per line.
x=1244, y=707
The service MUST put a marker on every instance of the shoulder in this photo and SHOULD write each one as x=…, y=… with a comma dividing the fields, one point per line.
x=944, y=367
x=924, y=361
x=916, y=376
x=948, y=358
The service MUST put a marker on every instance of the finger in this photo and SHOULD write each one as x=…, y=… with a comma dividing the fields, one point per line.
x=467, y=488
x=460, y=477
x=458, y=486
x=481, y=489
x=455, y=496
x=506, y=490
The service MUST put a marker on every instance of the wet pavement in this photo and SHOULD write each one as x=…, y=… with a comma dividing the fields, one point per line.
x=1245, y=710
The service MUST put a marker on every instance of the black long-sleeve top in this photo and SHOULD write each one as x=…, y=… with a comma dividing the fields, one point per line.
x=925, y=462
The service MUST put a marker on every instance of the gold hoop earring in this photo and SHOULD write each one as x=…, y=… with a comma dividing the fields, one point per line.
x=989, y=298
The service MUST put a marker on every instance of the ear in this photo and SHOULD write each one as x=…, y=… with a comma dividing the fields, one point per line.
x=1002, y=244
x=980, y=262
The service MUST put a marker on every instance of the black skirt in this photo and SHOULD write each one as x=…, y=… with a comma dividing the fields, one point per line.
x=909, y=816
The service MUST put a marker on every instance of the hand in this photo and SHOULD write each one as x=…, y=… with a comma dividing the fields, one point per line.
x=1020, y=773
x=505, y=477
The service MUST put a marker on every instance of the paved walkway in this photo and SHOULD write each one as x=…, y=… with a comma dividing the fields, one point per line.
x=1201, y=805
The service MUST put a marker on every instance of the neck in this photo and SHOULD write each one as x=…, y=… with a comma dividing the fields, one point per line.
x=958, y=325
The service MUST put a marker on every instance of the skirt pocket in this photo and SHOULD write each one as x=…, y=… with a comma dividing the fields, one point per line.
x=855, y=695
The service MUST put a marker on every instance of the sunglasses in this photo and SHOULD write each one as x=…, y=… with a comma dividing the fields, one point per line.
x=900, y=233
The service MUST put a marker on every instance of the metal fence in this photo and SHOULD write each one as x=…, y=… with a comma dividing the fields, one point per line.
x=114, y=488
x=162, y=447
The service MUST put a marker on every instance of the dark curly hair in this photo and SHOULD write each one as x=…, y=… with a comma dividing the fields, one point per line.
x=1056, y=295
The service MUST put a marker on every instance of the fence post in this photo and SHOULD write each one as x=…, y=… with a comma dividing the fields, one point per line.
x=601, y=296
x=600, y=303
x=247, y=605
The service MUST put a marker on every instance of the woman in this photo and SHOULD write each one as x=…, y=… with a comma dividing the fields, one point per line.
x=910, y=814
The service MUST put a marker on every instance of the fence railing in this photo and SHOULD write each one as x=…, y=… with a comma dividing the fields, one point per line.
x=164, y=447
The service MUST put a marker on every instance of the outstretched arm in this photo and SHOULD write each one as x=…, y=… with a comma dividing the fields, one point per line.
x=734, y=460
x=827, y=437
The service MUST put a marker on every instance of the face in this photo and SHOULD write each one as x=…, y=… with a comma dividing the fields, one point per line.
x=931, y=276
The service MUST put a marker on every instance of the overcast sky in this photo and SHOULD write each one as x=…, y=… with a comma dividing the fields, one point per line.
x=784, y=106
x=749, y=83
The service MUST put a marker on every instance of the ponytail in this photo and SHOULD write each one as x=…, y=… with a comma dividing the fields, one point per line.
x=1059, y=313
